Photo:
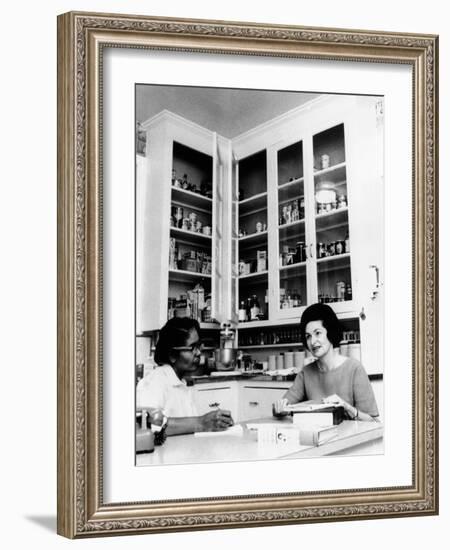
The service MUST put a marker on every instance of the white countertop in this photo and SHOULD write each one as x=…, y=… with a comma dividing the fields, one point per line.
x=353, y=438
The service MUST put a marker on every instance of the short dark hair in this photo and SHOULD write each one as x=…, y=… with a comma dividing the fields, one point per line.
x=173, y=334
x=324, y=313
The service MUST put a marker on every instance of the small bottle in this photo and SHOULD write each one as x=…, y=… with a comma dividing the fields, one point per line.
x=347, y=243
x=249, y=308
x=207, y=310
x=242, y=314
x=348, y=292
x=254, y=309
x=342, y=201
x=266, y=305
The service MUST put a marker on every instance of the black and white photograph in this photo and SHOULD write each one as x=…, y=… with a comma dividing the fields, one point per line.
x=259, y=267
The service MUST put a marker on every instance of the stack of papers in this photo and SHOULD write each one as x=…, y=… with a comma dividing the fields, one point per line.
x=236, y=430
x=308, y=407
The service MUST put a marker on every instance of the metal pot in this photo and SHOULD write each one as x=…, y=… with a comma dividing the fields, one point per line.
x=225, y=358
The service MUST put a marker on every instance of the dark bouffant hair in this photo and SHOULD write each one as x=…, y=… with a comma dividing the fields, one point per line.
x=173, y=334
x=324, y=313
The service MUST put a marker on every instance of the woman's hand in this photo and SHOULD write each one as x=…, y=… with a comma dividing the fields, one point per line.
x=336, y=400
x=216, y=421
x=278, y=408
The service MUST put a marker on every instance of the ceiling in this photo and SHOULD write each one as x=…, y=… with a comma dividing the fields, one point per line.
x=229, y=112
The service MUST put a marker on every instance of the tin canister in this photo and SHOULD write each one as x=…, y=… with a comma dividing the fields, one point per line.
x=340, y=247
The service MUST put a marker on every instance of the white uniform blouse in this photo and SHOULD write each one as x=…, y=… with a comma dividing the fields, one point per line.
x=161, y=388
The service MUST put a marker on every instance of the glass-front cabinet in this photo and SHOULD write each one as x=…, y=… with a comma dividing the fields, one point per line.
x=301, y=226
x=253, y=245
x=251, y=230
x=331, y=219
x=179, y=234
x=292, y=290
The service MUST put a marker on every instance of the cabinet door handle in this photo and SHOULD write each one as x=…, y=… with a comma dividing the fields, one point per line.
x=214, y=405
x=377, y=281
x=253, y=403
x=311, y=251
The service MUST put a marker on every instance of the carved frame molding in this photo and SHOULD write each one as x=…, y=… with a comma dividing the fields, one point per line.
x=81, y=37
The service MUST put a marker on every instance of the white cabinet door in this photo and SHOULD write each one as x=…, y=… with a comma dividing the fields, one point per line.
x=217, y=228
x=256, y=400
x=175, y=144
x=209, y=397
x=152, y=230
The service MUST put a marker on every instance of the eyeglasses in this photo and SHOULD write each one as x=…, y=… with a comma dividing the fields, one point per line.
x=196, y=346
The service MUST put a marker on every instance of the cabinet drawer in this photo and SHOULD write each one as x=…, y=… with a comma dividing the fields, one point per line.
x=256, y=402
x=210, y=399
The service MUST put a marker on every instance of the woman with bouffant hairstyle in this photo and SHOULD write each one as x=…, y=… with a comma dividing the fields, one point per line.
x=332, y=378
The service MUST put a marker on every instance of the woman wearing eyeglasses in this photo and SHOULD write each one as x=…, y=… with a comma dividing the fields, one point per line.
x=178, y=354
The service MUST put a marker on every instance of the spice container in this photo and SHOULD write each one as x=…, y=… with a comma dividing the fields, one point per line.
x=342, y=201
x=324, y=161
x=289, y=360
x=340, y=291
x=299, y=358
x=321, y=252
x=272, y=362
x=340, y=247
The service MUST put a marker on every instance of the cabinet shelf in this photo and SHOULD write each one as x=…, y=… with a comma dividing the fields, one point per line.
x=290, y=191
x=288, y=231
x=335, y=174
x=254, y=277
x=253, y=204
x=267, y=323
x=190, y=237
x=254, y=239
x=333, y=263
x=332, y=220
x=264, y=346
x=182, y=276
x=209, y=326
x=189, y=198
x=288, y=184
x=291, y=267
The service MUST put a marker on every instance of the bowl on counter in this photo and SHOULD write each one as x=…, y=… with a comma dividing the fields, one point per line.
x=225, y=358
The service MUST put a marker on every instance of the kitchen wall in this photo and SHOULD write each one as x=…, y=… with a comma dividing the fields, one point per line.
x=28, y=275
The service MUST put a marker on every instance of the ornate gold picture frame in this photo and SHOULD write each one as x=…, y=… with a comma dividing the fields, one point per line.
x=82, y=40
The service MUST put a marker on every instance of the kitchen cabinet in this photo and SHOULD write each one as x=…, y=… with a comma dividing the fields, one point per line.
x=218, y=395
x=180, y=233
x=252, y=399
x=273, y=239
x=245, y=399
x=322, y=169
x=256, y=399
